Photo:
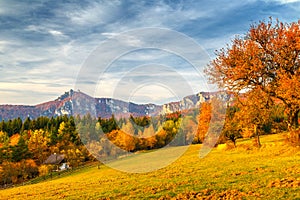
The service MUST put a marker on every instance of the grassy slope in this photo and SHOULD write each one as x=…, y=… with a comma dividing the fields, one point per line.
x=240, y=171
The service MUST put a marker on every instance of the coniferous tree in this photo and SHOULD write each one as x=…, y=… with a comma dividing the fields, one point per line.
x=20, y=151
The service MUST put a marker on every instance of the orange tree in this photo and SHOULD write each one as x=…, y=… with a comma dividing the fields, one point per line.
x=267, y=58
x=253, y=114
x=204, y=122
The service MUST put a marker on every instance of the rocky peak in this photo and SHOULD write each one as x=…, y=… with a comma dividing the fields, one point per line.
x=74, y=103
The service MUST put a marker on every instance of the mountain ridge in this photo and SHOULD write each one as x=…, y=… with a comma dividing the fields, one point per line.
x=77, y=102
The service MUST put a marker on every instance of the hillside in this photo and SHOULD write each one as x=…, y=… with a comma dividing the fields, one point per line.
x=272, y=172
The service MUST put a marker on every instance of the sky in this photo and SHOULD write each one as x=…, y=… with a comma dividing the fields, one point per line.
x=49, y=47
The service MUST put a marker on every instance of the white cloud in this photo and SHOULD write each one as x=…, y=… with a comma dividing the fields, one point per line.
x=286, y=1
x=33, y=28
x=55, y=33
x=4, y=46
x=153, y=93
x=142, y=93
x=109, y=35
x=44, y=29
x=29, y=93
x=95, y=13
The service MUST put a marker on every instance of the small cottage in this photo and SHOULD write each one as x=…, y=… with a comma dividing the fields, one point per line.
x=57, y=160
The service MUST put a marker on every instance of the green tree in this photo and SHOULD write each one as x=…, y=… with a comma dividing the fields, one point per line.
x=20, y=151
x=26, y=124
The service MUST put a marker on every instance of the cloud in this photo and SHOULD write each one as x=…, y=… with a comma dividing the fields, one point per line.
x=284, y=1
x=94, y=13
x=45, y=30
x=43, y=44
x=109, y=35
x=18, y=8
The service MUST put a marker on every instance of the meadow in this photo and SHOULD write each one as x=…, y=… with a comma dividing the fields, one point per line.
x=245, y=172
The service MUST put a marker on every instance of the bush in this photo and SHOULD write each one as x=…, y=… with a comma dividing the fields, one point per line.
x=43, y=170
x=17, y=172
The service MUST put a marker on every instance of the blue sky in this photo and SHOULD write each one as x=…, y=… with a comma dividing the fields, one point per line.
x=44, y=44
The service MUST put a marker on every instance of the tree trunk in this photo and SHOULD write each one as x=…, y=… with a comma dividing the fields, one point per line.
x=257, y=136
x=234, y=142
x=294, y=120
x=293, y=128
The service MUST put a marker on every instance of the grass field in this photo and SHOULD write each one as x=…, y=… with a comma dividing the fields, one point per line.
x=271, y=172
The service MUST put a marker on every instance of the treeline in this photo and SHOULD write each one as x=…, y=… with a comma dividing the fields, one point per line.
x=103, y=136
x=14, y=126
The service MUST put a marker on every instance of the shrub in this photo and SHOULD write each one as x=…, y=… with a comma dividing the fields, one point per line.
x=43, y=170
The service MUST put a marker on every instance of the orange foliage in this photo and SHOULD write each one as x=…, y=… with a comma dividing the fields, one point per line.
x=14, y=139
x=204, y=121
x=123, y=140
x=267, y=59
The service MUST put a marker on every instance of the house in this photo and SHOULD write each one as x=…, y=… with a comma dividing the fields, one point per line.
x=58, y=160
x=64, y=166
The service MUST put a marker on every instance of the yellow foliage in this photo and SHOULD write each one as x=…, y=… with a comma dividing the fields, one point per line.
x=246, y=132
x=38, y=145
x=43, y=170
x=3, y=137
x=122, y=140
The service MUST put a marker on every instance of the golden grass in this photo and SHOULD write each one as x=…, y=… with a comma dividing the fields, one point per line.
x=271, y=172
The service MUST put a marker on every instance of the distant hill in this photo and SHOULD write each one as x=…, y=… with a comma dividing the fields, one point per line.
x=74, y=103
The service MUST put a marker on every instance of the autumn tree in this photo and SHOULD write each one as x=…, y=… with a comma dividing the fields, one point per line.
x=147, y=138
x=266, y=59
x=122, y=140
x=27, y=169
x=254, y=114
x=189, y=126
x=232, y=129
x=73, y=156
x=172, y=128
x=4, y=139
x=38, y=145
x=161, y=136
x=204, y=121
